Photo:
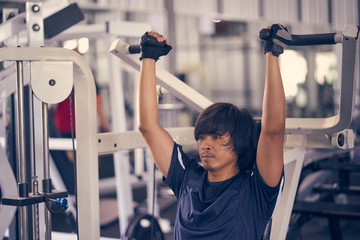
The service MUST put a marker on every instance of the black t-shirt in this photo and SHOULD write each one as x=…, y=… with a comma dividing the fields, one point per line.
x=237, y=208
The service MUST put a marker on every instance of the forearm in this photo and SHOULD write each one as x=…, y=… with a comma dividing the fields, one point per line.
x=104, y=123
x=148, y=106
x=273, y=114
x=157, y=138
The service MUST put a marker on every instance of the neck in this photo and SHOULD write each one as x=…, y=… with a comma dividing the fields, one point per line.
x=218, y=177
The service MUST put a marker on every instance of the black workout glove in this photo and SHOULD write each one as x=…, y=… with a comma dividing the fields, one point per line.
x=277, y=41
x=151, y=48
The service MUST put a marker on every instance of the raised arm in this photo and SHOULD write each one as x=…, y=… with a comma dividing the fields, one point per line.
x=158, y=139
x=270, y=148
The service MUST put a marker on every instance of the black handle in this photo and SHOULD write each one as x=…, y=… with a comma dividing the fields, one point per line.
x=146, y=39
x=135, y=48
x=302, y=40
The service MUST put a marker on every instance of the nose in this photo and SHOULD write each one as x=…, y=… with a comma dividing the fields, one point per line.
x=206, y=144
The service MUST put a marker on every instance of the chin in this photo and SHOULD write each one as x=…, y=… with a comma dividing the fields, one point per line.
x=206, y=167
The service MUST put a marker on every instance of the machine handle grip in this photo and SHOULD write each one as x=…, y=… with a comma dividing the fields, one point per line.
x=134, y=48
x=304, y=40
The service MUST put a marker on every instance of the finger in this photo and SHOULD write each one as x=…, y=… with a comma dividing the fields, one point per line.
x=158, y=36
x=155, y=35
x=151, y=33
x=167, y=42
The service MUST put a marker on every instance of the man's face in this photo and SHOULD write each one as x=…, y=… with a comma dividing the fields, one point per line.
x=216, y=154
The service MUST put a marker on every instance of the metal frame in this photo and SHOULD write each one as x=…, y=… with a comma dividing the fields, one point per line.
x=316, y=126
x=172, y=84
x=121, y=158
x=86, y=154
x=349, y=69
x=293, y=162
x=102, y=30
x=114, y=28
x=17, y=24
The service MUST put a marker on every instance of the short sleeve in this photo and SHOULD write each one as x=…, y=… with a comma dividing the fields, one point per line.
x=178, y=166
x=266, y=197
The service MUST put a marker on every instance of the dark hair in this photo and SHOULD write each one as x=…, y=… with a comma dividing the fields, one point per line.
x=221, y=118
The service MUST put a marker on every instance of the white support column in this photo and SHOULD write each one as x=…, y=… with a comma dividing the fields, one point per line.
x=121, y=159
x=87, y=169
x=293, y=161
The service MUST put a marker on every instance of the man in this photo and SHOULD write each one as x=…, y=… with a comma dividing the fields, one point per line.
x=233, y=192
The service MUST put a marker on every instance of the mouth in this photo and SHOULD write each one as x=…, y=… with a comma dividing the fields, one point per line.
x=206, y=156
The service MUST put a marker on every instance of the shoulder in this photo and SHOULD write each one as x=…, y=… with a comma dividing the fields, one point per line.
x=182, y=158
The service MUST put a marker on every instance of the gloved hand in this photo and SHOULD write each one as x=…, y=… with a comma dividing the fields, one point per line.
x=151, y=48
x=277, y=41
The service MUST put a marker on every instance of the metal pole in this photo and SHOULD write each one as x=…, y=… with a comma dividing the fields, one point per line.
x=21, y=161
x=47, y=180
x=35, y=183
x=45, y=141
x=21, y=123
x=35, y=211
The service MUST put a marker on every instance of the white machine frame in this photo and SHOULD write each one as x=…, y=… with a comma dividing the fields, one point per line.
x=86, y=131
x=314, y=126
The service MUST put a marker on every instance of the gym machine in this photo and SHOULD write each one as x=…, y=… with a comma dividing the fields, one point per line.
x=50, y=82
x=51, y=86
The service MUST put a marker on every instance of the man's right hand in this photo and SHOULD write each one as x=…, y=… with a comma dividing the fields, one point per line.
x=153, y=45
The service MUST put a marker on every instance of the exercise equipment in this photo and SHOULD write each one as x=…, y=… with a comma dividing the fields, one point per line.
x=144, y=227
x=304, y=126
x=327, y=200
x=34, y=16
x=24, y=198
x=85, y=130
x=62, y=20
x=305, y=40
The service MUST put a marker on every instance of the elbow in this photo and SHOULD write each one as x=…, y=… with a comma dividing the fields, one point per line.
x=143, y=129
x=146, y=129
x=275, y=129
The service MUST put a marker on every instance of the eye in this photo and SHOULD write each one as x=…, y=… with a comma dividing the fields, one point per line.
x=217, y=136
x=201, y=137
